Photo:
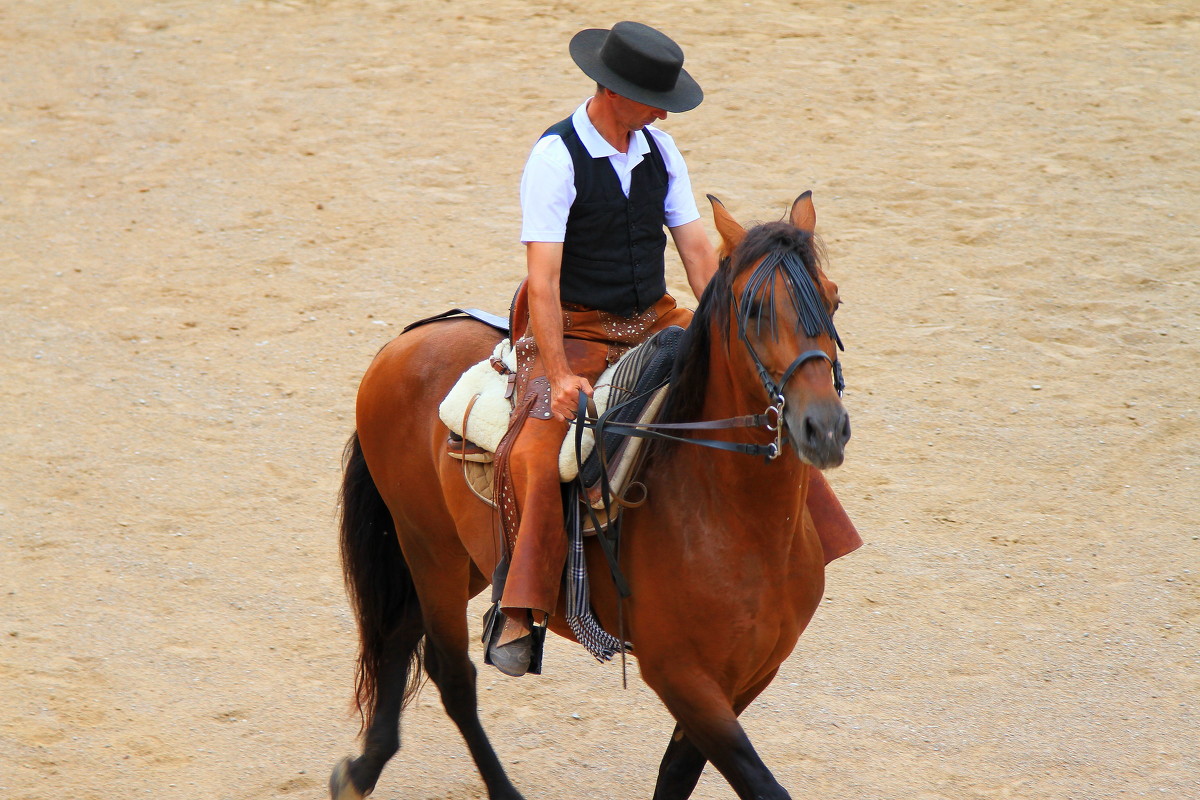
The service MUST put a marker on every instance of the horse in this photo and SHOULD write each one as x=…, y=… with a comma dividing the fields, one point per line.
x=725, y=566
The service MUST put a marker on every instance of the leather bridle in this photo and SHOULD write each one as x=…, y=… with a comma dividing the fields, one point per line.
x=774, y=389
x=771, y=420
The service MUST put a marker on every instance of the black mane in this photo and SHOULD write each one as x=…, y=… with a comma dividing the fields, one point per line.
x=778, y=245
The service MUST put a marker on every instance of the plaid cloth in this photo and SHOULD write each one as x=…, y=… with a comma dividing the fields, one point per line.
x=599, y=642
x=642, y=369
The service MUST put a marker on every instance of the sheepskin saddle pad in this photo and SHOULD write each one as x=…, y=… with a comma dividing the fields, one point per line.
x=634, y=388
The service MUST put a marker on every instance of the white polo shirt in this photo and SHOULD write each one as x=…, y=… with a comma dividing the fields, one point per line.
x=548, y=183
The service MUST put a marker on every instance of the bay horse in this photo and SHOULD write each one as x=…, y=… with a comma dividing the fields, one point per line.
x=725, y=565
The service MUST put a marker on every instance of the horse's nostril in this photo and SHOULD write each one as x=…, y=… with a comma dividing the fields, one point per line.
x=810, y=430
x=845, y=429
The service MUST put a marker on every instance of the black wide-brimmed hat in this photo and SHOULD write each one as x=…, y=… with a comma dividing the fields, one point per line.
x=638, y=62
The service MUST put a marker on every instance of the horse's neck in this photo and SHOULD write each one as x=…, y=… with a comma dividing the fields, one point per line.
x=735, y=487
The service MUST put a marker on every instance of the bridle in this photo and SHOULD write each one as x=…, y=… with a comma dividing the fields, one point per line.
x=771, y=419
x=774, y=389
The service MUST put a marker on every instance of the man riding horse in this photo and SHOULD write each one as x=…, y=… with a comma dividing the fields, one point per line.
x=597, y=191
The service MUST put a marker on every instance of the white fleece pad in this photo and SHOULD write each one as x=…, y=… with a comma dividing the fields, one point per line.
x=489, y=416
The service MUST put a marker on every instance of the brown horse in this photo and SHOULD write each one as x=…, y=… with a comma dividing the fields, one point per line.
x=724, y=562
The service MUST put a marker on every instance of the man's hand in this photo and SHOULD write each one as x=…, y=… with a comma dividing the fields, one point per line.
x=564, y=395
x=545, y=315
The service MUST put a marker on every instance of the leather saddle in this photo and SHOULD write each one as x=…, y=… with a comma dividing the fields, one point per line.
x=631, y=391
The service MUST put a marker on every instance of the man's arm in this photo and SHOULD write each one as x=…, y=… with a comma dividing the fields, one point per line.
x=697, y=253
x=544, y=261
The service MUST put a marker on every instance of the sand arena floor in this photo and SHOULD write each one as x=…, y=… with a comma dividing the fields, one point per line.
x=213, y=214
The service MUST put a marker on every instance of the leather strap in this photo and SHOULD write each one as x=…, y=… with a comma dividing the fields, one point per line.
x=491, y=320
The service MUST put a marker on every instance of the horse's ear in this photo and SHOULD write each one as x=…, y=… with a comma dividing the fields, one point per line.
x=804, y=216
x=729, y=229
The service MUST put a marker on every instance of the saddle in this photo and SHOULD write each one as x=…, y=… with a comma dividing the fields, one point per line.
x=480, y=408
x=477, y=410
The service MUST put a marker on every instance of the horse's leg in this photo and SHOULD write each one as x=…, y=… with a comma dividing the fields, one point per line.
x=421, y=576
x=683, y=762
x=354, y=779
x=448, y=663
x=709, y=722
x=680, y=768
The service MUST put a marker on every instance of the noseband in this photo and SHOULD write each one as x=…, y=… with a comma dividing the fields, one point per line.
x=775, y=389
x=812, y=316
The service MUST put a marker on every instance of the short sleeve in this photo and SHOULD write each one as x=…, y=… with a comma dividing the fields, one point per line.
x=680, y=205
x=547, y=191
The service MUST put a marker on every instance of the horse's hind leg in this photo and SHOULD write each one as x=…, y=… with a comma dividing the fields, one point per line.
x=354, y=779
x=455, y=678
x=449, y=665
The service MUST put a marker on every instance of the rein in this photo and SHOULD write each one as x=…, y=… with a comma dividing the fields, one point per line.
x=814, y=318
x=770, y=420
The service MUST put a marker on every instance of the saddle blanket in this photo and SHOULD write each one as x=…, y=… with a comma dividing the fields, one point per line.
x=492, y=407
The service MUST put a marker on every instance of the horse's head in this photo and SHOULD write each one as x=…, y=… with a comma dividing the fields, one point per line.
x=781, y=308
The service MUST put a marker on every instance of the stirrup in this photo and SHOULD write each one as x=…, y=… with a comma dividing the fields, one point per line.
x=466, y=450
x=493, y=625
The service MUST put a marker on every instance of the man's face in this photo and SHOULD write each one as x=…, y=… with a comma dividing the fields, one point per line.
x=634, y=115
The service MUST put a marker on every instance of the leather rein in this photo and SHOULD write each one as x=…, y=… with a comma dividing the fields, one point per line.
x=771, y=419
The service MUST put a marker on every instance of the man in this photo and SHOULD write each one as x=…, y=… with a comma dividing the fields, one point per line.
x=597, y=191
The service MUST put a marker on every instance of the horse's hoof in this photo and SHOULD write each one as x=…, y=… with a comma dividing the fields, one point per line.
x=340, y=785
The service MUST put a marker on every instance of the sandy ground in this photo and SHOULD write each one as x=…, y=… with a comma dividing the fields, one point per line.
x=212, y=214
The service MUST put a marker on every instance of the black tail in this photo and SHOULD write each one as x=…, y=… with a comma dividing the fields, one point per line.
x=378, y=582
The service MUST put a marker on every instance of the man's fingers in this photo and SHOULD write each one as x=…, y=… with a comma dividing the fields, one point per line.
x=566, y=397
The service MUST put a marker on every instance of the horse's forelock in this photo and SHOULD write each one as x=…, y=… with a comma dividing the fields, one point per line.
x=776, y=237
x=711, y=321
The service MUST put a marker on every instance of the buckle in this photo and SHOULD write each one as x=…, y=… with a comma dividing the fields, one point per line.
x=775, y=425
x=777, y=445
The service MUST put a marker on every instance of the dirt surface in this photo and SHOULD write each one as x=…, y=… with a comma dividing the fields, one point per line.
x=213, y=214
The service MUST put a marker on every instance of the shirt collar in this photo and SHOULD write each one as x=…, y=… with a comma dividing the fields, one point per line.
x=596, y=145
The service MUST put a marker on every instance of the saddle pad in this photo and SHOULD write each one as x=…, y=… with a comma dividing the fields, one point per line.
x=489, y=415
x=483, y=390
x=635, y=375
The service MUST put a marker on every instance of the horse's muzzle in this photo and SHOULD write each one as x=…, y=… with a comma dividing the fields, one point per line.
x=819, y=433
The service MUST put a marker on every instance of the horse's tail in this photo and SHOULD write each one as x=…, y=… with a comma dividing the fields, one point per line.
x=380, y=587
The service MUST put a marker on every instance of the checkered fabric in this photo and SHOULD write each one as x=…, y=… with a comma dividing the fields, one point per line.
x=645, y=367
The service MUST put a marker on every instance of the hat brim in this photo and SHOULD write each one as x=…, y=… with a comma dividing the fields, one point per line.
x=585, y=51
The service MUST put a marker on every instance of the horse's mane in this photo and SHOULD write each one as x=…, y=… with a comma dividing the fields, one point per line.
x=779, y=240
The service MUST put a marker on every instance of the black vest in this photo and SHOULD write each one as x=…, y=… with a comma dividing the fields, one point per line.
x=614, y=246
